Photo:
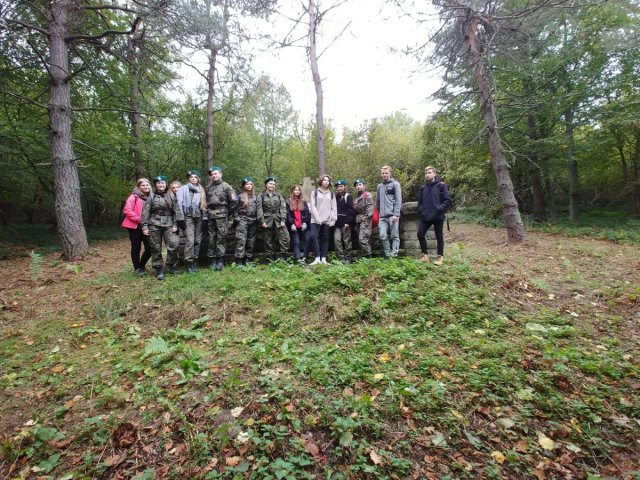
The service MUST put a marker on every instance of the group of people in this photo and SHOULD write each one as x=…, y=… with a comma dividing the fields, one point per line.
x=177, y=215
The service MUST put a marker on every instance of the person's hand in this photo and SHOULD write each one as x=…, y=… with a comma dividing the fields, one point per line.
x=293, y=228
x=282, y=224
x=182, y=225
x=304, y=227
x=205, y=225
x=331, y=224
x=346, y=225
x=395, y=219
x=145, y=231
x=174, y=229
x=264, y=225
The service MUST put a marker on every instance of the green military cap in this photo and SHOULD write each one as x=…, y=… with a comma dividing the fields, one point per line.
x=355, y=184
x=194, y=172
x=160, y=178
x=214, y=168
x=269, y=179
x=341, y=182
x=246, y=180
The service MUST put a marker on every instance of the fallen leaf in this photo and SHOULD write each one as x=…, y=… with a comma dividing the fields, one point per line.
x=573, y=448
x=232, y=461
x=576, y=425
x=384, y=357
x=375, y=458
x=235, y=413
x=58, y=369
x=438, y=440
x=521, y=446
x=506, y=423
x=312, y=448
x=545, y=442
x=378, y=376
x=498, y=457
x=113, y=460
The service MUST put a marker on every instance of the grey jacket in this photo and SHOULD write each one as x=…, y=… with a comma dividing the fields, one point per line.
x=161, y=210
x=389, y=198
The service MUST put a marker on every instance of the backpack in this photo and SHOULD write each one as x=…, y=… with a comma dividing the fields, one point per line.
x=376, y=214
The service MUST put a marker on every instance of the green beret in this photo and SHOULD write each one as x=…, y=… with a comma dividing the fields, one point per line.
x=341, y=182
x=269, y=179
x=214, y=168
x=194, y=172
x=246, y=180
x=160, y=178
x=355, y=184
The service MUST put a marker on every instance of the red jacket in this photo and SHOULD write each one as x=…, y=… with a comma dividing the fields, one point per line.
x=132, y=210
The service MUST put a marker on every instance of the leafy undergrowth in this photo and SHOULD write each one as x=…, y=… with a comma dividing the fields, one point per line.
x=377, y=370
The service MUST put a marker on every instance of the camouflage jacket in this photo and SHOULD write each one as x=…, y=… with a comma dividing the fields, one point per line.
x=364, y=207
x=221, y=200
x=250, y=212
x=271, y=208
x=161, y=210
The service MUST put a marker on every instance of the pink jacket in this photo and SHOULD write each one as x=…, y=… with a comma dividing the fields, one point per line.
x=132, y=210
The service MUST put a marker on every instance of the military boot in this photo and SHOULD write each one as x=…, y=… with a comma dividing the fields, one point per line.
x=240, y=262
x=219, y=264
x=172, y=269
x=159, y=274
x=214, y=262
x=191, y=267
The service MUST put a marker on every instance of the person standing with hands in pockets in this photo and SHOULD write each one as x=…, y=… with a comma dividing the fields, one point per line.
x=324, y=214
x=389, y=204
x=344, y=223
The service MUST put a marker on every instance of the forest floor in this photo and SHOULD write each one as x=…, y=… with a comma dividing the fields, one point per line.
x=510, y=361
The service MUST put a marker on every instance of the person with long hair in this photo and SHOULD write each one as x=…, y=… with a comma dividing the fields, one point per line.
x=272, y=216
x=193, y=204
x=132, y=211
x=246, y=220
x=160, y=218
x=182, y=237
x=299, y=221
x=324, y=213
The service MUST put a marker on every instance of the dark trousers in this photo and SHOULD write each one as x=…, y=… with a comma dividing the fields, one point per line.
x=437, y=228
x=137, y=239
x=295, y=238
x=320, y=238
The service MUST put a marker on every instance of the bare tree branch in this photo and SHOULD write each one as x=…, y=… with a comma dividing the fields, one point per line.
x=73, y=38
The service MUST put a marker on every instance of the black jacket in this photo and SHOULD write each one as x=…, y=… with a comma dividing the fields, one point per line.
x=346, y=210
x=433, y=200
x=305, y=215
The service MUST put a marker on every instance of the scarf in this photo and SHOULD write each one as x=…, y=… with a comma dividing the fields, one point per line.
x=189, y=198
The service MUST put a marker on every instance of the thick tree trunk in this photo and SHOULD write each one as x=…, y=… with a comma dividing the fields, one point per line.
x=211, y=83
x=134, y=104
x=317, y=81
x=66, y=182
x=537, y=190
x=512, y=218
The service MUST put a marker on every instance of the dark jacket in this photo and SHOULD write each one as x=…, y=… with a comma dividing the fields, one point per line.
x=305, y=215
x=433, y=200
x=346, y=210
x=271, y=209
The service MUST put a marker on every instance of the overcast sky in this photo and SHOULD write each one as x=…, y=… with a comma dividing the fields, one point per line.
x=362, y=77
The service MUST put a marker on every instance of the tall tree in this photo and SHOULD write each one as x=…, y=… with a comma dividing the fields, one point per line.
x=62, y=22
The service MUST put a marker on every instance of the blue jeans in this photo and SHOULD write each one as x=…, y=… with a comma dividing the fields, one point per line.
x=386, y=225
x=295, y=237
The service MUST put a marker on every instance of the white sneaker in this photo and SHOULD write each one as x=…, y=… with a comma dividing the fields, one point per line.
x=324, y=261
x=315, y=262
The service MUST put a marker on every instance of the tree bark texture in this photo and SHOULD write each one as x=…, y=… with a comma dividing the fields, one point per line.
x=572, y=168
x=134, y=104
x=510, y=210
x=317, y=81
x=66, y=181
x=211, y=83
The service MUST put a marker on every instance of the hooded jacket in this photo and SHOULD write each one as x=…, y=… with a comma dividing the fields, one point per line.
x=433, y=200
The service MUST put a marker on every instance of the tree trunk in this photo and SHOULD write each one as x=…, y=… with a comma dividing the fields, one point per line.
x=134, y=105
x=572, y=167
x=317, y=81
x=66, y=182
x=211, y=78
x=537, y=190
x=512, y=218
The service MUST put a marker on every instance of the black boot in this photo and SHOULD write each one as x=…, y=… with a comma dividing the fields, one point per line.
x=172, y=269
x=214, y=262
x=240, y=262
x=191, y=267
x=159, y=274
x=219, y=264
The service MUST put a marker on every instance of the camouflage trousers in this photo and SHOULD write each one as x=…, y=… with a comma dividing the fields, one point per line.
x=171, y=240
x=193, y=238
x=342, y=242
x=217, y=237
x=276, y=238
x=246, y=232
x=364, y=237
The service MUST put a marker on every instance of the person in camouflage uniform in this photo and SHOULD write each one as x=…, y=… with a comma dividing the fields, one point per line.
x=193, y=204
x=246, y=220
x=272, y=216
x=182, y=237
x=364, y=218
x=159, y=219
x=221, y=203
x=346, y=217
